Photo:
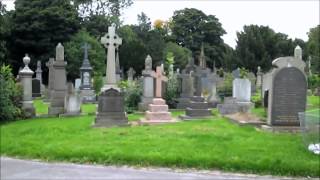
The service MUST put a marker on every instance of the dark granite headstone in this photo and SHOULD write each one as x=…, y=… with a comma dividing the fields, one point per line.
x=289, y=97
x=111, y=109
x=36, y=88
x=265, y=98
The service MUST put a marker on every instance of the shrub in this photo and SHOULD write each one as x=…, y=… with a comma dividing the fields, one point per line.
x=314, y=81
x=10, y=95
x=97, y=82
x=256, y=99
x=132, y=93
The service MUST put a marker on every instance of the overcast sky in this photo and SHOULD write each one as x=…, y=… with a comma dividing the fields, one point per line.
x=294, y=18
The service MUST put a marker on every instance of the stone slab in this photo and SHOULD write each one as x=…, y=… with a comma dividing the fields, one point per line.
x=158, y=108
x=275, y=129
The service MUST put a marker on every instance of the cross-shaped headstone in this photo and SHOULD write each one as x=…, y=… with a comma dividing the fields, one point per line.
x=158, y=75
x=86, y=47
x=110, y=41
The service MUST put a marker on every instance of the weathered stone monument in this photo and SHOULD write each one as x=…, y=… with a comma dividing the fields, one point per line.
x=131, y=72
x=287, y=93
x=36, y=88
x=252, y=78
x=86, y=89
x=259, y=78
x=59, y=85
x=72, y=102
x=39, y=77
x=111, y=101
x=118, y=69
x=25, y=76
x=241, y=89
x=212, y=83
x=49, y=64
x=186, y=89
x=148, y=90
x=157, y=112
x=236, y=73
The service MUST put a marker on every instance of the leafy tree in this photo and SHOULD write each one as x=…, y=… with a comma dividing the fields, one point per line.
x=37, y=27
x=180, y=54
x=191, y=27
x=10, y=95
x=74, y=54
x=96, y=25
x=4, y=30
x=313, y=47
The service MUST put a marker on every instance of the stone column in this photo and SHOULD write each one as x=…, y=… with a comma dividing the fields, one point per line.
x=148, y=90
x=298, y=52
x=25, y=76
x=60, y=88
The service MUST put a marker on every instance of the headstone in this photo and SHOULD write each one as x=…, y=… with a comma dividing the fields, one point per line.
x=213, y=81
x=288, y=92
x=252, y=78
x=259, y=78
x=36, y=88
x=111, y=101
x=39, y=72
x=131, y=72
x=77, y=83
x=49, y=64
x=298, y=52
x=25, y=76
x=148, y=90
x=236, y=73
x=60, y=79
x=86, y=88
x=187, y=89
x=241, y=90
x=158, y=110
x=72, y=102
x=190, y=66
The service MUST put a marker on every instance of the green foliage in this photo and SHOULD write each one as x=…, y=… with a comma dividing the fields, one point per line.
x=38, y=26
x=314, y=81
x=203, y=144
x=225, y=89
x=10, y=95
x=132, y=93
x=191, y=27
x=74, y=54
x=171, y=92
x=257, y=99
x=181, y=54
x=313, y=47
x=4, y=30
x=97, y=82
x=243, y=73
x=260, y=45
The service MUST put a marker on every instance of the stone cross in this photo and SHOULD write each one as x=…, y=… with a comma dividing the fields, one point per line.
x=202, y=58
x=86, y=47
x=131, y=72
x=298, y=52
x=110, y=41
x=158, y=75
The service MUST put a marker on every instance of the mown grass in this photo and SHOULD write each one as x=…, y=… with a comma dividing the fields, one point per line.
x=206, y=144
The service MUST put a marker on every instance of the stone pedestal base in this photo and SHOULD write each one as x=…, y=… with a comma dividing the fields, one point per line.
x=291, y=129
x=87, y=96
x=28, y=108
x=109, y=119
x=196, y=109
x=57, y=102
x=157, y=113
x=231, y=106
x=111, y=109
x=183, y=103
x=144, y=104
x=55, y=110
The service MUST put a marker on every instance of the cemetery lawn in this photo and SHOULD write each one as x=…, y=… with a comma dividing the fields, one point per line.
x=203, y=144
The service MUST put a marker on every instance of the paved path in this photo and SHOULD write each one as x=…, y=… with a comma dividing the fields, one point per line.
x=16, y=169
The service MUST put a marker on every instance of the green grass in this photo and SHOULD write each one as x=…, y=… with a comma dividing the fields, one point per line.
x=40, y=106
x=313, y=102
x=260, y=112
x=207, y=144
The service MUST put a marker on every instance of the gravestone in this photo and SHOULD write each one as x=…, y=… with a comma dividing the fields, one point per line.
x=60, y=80
x=86, y=88
x=77, y=84
x=252, y=78
x=131, y=72
x=111, y=109
x=186, y=89
x=266, y=85
x=25, y=76
x=288, y=92
x=39, y=77
x=157, y=112
x=118, y=69
x=36, y=88
x=236, y=73
x=241, y=90
x=213, y=81
x=259, y=78
x=72, y=102
x=148, y=84
x=111, y=101
x=49, y=64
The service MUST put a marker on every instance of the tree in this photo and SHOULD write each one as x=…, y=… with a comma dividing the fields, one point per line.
x=4, y=30
x=191, y=27
x=260, y=45
x=313, y=48
x=74, y=54
x=180, y=54
x=37, y=27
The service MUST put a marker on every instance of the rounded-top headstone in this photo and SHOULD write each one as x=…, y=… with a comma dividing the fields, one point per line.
x=298, y=52
x=148, y=62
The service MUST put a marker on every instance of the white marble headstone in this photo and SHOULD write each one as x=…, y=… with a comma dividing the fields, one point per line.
x=241, y=89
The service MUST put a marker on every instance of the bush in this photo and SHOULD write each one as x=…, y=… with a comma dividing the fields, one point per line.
x=314, y=82
x=97, y=82
x=10, y=95
x=256, y=99
x=132, y=93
